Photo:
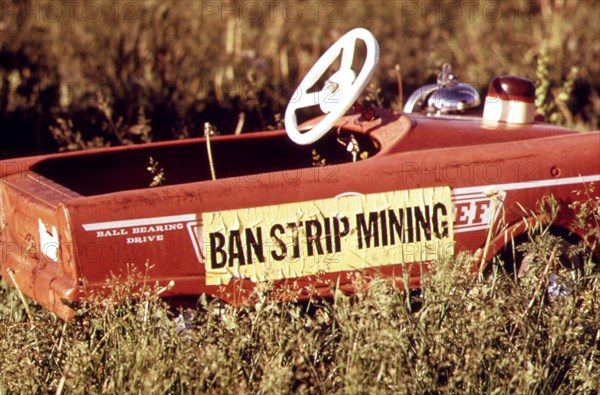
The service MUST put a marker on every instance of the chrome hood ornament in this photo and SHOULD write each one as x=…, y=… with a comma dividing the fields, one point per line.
x=446, y=96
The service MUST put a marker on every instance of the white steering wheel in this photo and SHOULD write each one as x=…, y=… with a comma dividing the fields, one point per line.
x=340, y=91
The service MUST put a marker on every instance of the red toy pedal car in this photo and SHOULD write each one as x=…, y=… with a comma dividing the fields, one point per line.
x=372, y=191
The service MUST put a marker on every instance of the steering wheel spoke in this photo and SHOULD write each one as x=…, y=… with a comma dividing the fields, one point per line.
x=340, y=91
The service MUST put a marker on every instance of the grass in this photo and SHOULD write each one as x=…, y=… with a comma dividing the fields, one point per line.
x=160, y=70
x=460, y=335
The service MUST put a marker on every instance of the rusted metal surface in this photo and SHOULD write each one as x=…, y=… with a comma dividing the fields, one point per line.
x=69, y=221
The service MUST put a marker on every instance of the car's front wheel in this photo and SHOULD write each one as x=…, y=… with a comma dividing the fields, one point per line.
x=561, y=258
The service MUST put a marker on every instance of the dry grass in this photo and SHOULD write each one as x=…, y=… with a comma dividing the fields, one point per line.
x=104, y=73
x=466, y=336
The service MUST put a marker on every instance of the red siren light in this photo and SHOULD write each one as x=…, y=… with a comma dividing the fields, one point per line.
x=510, y=99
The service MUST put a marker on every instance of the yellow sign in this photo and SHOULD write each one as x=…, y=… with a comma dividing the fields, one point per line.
x=328, y=235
